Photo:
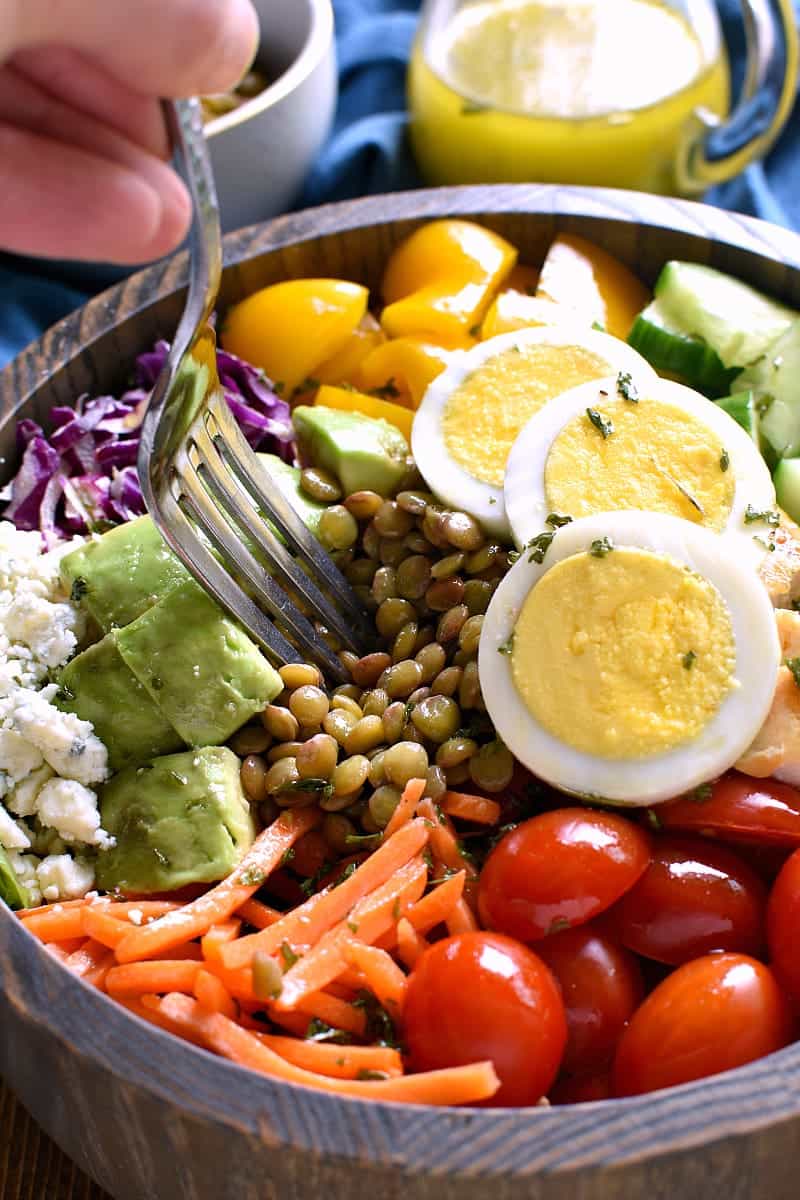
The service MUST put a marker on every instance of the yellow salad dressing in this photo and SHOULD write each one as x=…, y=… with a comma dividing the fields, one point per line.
x=573, y=91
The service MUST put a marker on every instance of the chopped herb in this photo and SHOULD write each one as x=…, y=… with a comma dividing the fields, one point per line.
x=396, y=910
x=362, y=839
x=279, y=387
x=349, y=870
x=557, y=925
x=600, y=422
x=287, y=856
x=700, y=794
x=352, y=926
x=78, y=590
x=688, y=659
x=65, y=693
x=365, y=1073
x=767, y=515
x=507, y=647
x=380, y=1026
x=599, y=326
x=794, y=666
x=288, y=956
x=539, y=545
x=513, y=556
x=321, y=1031
x=493, y=499
x=388, y=391
x=766, y=545
x=319, y=787
x=627, y=388
x=556, y=520
x=252, y=877
x=684, y=491
x=653, y=819
x=464, y=852
x=408, y=708
x=724, y=460
x=427, y=858
x=600, y=547
x=156, y=683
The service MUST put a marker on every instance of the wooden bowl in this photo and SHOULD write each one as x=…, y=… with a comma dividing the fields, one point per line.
x=152, y=1118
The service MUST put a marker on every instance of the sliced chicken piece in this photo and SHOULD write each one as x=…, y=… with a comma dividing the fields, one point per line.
x=776, y=749
x=780, y=570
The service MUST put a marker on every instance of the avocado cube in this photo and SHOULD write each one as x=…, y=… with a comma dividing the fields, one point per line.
x=179, y=819
x=99, y=686
x=365, y=453
x=11, y=890
x=120, y=575
x=200, y=668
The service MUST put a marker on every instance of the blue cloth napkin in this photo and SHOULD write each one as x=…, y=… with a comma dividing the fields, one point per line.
x=367, y=152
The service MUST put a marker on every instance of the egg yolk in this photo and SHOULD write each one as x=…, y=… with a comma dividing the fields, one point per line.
x=656, y=457
x=486, y=412
x=623, y=654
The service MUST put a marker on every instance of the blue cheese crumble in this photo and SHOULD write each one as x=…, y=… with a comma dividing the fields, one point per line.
x=50, y=827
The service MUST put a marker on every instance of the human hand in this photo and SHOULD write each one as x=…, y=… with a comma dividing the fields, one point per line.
x=83, y=144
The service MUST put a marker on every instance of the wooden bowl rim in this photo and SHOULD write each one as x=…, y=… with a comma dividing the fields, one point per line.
x=597, y=1134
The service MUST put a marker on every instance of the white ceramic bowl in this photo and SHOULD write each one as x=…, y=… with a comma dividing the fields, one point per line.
x=263, y=150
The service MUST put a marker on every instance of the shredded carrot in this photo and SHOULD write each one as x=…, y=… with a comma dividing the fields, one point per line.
x=339, y=1014
x=329, y=1058
x=461, y=919
x=444, y=840
x=43, y=909
x=98, y=923
x=55, y=924
x=381, y=974
x=436, y=906
x=212, y=994
x=149, y=1009
x=295, y=1023
x=455, y=1085
x=90, y=960
x=218, y=904
x=306, y=924
x=410, y=944
x=218, y=936
x=470, y=808
x=412, y=794
x=368, y=920
x=258, y=914
x=165, y=975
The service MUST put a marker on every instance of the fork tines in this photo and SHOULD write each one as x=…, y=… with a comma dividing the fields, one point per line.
x=217, y=485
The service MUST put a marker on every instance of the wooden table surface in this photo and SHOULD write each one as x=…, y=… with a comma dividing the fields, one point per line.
x=31, y=1166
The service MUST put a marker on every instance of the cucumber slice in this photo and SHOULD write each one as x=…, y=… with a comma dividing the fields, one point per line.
x=674, y=352
x=11, y=890
x=787, y=486
x=735, y=320
x=774, y=379
x=742, y=407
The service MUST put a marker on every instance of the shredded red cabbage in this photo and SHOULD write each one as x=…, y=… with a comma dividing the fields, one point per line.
x=82, y=476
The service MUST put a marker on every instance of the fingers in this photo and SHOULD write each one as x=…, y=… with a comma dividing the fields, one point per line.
x=156, y=47
x=81, y=85
x=104, y=200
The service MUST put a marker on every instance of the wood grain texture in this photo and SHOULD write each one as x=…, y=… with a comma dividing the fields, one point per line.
x=152, y=1118
x=31, y=1166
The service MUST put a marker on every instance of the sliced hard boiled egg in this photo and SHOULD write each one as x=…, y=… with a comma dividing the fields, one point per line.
x=472, y=413
x=602, y=447
x=631, y=659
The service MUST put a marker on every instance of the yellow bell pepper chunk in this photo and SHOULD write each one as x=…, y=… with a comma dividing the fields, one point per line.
x=370, y=406
x=595, y=285
x=408, y=363
x=343, y=367
x=439, y=282
x=513, y=310
x=289, y=329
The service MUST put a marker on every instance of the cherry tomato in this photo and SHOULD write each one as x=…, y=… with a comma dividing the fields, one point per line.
x=481, y=996
x=783, y=923
x=711, y=1014
x=558, y=870
x=601, y=986
x=693, y=898
x=739, y=808
x=569, y=1090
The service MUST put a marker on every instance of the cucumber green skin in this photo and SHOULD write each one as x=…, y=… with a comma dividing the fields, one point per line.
x=683, y=357
x=98, y=686
x=787, y=486
x=11, y=890
x=180, y=819
x=742, y=407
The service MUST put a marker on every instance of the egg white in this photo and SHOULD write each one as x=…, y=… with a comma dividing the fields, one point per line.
x=525, y=497
x=446, y=478
x=727, y=735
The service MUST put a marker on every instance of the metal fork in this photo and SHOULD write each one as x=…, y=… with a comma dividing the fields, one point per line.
x=212, y=500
